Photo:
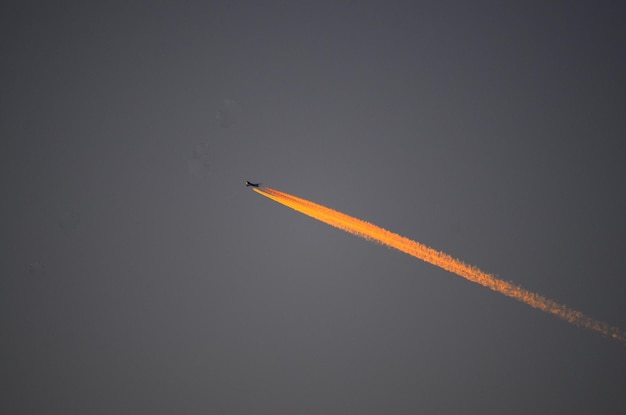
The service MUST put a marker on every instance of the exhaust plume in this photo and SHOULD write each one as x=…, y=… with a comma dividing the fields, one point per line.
x=374, y=233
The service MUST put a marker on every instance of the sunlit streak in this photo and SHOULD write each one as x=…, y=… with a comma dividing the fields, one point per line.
x=374, y=233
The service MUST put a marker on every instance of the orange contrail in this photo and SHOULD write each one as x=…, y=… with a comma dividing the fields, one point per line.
x=374, y=233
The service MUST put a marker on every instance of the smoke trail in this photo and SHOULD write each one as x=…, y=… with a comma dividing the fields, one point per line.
x=374, y=233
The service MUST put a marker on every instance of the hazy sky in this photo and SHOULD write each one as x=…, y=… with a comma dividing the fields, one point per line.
x=139, y=275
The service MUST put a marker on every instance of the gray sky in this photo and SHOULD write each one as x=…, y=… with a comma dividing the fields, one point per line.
x=139, y=275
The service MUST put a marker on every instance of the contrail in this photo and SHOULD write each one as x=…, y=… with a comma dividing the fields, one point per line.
x=377, y=234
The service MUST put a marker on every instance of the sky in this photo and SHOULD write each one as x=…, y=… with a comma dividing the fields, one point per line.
x=139, y=275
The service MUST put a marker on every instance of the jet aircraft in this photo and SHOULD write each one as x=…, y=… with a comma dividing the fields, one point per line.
x=252, y=184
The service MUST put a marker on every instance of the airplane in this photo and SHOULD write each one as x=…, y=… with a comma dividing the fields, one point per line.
x=252, y=184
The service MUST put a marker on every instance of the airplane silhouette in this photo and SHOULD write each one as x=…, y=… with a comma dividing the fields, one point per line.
x=252, y=184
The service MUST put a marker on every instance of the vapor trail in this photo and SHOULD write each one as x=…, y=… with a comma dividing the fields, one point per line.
x=377, y=234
